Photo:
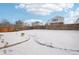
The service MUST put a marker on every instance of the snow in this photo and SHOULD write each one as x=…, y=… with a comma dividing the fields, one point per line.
x=14, y=37
x=64, y=42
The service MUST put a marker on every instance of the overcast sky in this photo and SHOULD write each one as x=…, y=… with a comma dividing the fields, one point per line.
x=39, y=11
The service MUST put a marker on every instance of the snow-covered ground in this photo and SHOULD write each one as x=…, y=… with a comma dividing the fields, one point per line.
x=42, y=42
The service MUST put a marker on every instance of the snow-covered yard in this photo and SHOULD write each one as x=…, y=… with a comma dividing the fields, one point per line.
x=41, y=42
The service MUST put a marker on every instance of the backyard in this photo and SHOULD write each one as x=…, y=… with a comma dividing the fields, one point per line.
x=40, y=42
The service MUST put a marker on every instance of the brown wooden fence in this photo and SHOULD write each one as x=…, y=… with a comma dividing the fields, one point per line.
x=7, y=29
x=61, y=26
x=54, y=26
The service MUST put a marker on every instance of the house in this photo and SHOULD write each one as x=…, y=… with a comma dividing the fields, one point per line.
x=77, y=21
x=37, y=25
x=56, y=22
x=57, y=19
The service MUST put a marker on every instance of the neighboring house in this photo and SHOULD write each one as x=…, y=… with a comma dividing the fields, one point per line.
x=56, y=22
x=57, y=19
x=77, y=21
x=37, y=23
x=20, y=25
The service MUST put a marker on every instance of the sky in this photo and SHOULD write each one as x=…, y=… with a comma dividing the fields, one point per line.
x=39, y=11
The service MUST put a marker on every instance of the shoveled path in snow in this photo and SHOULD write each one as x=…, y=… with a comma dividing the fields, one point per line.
x=10, y=45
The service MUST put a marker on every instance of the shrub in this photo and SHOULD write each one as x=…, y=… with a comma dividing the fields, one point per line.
x=22, y=34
